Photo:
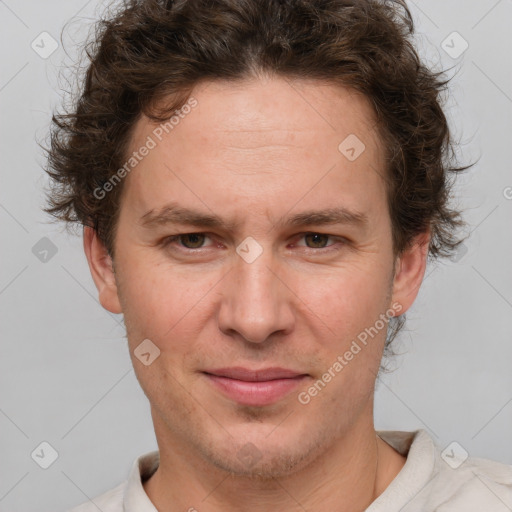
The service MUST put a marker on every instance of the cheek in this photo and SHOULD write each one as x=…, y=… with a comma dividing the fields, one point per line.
x=163, y=303
x=348, y=300
x=347, y=312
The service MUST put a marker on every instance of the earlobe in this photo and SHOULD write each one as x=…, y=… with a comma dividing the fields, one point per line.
x=102, y=270
x=409, y=272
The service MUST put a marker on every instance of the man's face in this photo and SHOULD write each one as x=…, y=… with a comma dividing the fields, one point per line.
x=255, y=154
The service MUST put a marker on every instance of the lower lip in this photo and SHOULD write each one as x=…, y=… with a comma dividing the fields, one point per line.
x=255, y=393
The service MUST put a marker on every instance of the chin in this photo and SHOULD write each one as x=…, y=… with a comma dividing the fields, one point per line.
x=263, y=459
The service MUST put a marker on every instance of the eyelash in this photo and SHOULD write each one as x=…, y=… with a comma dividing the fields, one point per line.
x=168, y=241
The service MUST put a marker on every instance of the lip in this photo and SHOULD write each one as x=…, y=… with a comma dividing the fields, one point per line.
x=255, y=387
x=264, y=374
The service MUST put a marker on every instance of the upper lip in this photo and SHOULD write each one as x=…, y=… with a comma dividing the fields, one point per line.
x=249, y=375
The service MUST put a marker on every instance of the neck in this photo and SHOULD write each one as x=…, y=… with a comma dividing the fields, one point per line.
x=358, y=465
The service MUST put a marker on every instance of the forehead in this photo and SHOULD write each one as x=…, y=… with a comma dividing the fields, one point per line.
x=262, y=143
x=259, y=111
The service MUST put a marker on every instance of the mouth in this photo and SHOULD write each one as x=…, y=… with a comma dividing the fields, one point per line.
x=255, y=387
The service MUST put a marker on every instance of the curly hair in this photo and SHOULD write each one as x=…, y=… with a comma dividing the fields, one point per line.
x=149, y=51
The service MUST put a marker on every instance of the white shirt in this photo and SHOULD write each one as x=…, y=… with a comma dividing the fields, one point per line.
x=428, y=482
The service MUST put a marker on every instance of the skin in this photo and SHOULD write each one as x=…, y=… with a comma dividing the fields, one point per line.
x=256, y=152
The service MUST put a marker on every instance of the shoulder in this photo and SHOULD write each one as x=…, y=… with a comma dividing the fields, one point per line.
x=128, y=494
x=443, y=481
x=476, y=484
x=110, y=501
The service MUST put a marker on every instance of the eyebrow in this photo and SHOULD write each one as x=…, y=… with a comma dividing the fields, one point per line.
x=176, y=214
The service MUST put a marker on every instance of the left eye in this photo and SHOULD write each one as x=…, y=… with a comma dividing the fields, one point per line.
x=319, y=240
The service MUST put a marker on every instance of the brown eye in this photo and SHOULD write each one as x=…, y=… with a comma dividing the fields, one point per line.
x=319, y=240
x=192, y=240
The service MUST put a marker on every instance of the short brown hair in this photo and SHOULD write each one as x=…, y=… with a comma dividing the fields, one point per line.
x=151, y=50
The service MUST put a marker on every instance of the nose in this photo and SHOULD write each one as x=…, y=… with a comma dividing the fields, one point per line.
x=256, y=301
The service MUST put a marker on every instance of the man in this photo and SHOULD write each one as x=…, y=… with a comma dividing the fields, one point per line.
x=261, y=184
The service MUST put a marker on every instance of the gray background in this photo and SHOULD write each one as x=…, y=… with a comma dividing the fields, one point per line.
x=65, y=373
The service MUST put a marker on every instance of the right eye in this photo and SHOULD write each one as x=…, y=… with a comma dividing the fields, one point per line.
x=186, y=241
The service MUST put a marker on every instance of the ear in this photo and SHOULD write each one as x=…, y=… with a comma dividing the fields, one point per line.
x=409, y=271
x=102, y=270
